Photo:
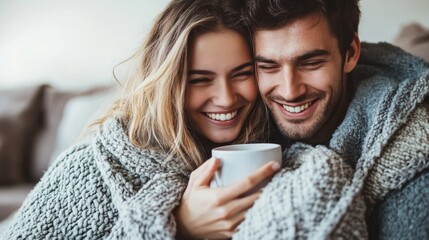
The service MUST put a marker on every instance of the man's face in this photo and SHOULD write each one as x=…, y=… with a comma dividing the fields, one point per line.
x=301, y=77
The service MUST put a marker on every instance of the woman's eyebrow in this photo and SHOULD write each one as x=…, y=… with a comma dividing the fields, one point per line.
x=311, y=54
x=207, y=72
x=202, y=72
x=238, y=68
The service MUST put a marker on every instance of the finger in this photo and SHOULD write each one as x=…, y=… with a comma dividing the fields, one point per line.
x=221, y=235
x=238, y=205
x=251, y=181
x=206, y=175
x=203, y=166
x=227, y=228
x=239, y=218
x=197, y=172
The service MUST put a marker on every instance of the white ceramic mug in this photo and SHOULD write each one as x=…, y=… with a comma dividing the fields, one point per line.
x=240, y=160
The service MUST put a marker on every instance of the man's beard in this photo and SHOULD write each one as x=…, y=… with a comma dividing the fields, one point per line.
x=297, y=130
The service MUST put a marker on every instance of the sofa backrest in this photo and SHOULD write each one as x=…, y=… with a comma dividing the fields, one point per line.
x=32, y=127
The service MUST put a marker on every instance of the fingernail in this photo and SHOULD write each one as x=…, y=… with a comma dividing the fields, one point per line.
x=275, y=166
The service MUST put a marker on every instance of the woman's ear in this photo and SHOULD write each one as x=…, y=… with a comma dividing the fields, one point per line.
x=352, y=54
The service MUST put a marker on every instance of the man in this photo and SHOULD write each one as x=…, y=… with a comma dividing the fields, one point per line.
x=363, y=106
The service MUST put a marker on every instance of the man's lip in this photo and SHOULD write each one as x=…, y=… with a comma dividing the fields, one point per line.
x=297, y=104
x=304, y=114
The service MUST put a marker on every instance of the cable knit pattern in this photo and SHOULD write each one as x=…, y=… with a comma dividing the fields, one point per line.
x=106, y=189
x=379, y=125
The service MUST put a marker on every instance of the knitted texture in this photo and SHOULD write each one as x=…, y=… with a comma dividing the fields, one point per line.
x=405, y=213
x=405, y=155
x=107, y=189
x=379, y=125
x=295, y=204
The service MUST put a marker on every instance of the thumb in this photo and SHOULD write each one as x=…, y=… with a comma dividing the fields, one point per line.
x=204, y=178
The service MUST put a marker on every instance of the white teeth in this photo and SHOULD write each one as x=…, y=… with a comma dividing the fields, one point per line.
x=297, y=109
x=222, y=116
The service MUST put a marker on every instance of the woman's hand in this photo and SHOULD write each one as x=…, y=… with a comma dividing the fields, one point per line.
x=215, y=213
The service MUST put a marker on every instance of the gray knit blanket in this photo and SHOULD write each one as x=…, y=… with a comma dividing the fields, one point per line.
x=109, y=189
x=104, y=189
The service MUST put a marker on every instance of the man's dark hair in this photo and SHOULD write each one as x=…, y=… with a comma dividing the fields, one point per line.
x=343, y=15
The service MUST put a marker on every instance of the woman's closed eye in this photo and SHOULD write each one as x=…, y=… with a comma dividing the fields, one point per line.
x=243, y=75
x=200, y=81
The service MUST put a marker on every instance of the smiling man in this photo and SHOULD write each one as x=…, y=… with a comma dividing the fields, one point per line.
x=333, y=97
x=302, y=77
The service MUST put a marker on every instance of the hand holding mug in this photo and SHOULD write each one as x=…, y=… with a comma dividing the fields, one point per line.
x=240, y=160
x=206, y=212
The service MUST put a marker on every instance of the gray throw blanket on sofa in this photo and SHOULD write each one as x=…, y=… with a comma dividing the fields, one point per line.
x=110, y=189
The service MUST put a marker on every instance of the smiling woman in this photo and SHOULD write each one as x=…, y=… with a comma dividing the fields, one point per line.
x=194, y=90
x=221, y=90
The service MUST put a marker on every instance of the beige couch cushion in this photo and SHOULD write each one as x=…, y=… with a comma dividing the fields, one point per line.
x=53, y=104
x=414, y=39
x=63, y=121
x=20, y=118
x=78, y=113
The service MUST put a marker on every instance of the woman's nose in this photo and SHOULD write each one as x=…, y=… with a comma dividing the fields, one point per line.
x=224, y=95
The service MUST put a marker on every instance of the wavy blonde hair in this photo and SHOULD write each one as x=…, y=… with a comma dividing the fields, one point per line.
x=153, y=101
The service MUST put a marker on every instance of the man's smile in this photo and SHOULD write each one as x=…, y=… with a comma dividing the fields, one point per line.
x=297, y=109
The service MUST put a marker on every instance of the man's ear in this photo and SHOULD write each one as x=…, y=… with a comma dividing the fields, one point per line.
x=352, y=54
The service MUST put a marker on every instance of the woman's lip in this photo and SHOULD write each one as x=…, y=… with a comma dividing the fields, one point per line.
x=224, y=123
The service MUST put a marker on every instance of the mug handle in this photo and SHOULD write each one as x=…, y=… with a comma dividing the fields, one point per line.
x=216, y=176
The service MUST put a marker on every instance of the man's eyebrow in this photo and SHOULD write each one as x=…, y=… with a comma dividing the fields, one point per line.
x=263, y=59
x=311, y=54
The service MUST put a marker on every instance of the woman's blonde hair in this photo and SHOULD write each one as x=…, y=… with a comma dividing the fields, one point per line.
x=153, y=102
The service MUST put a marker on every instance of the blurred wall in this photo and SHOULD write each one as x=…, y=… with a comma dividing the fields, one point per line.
x=73, y=43
x=70, y=43
x=382, y=19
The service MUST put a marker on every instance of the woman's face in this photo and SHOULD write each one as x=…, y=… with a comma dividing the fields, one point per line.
x=221, y=88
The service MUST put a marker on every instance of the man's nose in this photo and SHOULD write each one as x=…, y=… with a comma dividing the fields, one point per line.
x=291, y=86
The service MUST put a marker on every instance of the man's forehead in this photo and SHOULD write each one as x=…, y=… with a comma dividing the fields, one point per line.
x=295, y=38
x=315, y=22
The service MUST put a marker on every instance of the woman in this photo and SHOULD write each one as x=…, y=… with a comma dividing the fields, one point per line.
x=194, y=89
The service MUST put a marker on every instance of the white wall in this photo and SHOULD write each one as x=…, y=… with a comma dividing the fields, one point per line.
x=382, y=19
x=72, y=43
